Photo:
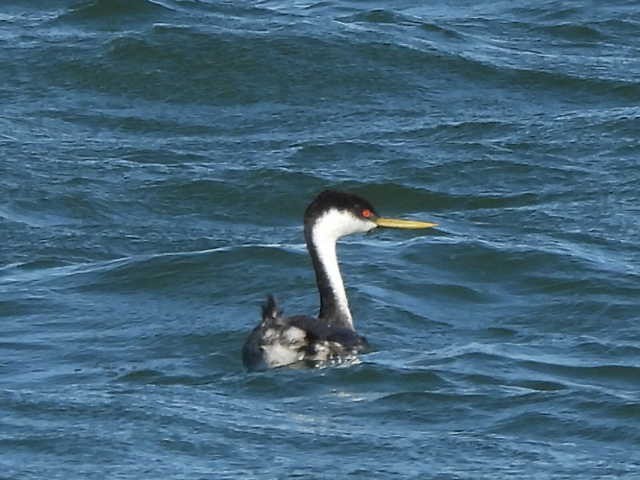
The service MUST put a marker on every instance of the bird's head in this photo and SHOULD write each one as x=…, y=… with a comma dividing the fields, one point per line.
x=337, y=214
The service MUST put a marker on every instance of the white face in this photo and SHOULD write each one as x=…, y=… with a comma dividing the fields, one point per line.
x=337, y=223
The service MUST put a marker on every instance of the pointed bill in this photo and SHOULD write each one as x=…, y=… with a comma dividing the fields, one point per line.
x=397, y=223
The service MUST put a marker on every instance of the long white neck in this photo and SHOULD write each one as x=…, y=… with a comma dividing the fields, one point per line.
x=321, y=234
x=338, y=305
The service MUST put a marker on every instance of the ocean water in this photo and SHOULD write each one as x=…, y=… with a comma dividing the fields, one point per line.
x=156, y=157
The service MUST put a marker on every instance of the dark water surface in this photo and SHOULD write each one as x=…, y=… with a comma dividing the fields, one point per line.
x=155, y=161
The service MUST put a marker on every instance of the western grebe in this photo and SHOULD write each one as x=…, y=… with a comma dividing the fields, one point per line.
x=331, y=337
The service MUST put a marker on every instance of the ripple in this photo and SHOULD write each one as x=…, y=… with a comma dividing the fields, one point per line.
x=155, y=377
x=574, y=32
x=409, y=198
x=153, y=269
x=619, y=375
x=105, y=10
x=548, y=425
x=380, y=16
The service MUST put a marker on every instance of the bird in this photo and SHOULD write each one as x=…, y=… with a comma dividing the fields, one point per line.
x=330, y=338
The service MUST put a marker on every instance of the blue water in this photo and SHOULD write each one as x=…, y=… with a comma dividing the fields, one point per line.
x=155, y=161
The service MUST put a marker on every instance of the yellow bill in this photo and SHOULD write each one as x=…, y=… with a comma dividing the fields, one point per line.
x=397, y=223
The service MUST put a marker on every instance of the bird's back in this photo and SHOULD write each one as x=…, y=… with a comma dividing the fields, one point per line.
x=278, y=341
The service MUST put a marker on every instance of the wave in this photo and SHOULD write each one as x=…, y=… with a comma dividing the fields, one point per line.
x=153, y=270
x=383, y=16
x=210, y=65
x=618, y=375
x=63, y=209
x=108, y=10
x=563, y=426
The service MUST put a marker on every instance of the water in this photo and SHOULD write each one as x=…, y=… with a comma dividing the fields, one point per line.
x=156, y=158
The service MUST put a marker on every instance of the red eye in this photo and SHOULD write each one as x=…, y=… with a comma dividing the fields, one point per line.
x=366, y=213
